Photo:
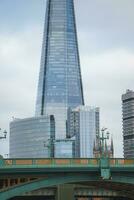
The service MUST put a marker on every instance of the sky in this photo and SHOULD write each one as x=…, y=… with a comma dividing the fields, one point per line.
x=105, y=37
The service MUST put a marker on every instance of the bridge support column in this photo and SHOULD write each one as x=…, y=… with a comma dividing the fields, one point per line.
x=65, y=192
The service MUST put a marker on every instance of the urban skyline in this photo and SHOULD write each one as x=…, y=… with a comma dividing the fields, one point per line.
x=59, y=89
x=107, y=114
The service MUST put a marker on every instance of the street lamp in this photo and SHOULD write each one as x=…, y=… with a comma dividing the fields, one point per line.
x=3, y=134
x=49, y=144
x=103, y=140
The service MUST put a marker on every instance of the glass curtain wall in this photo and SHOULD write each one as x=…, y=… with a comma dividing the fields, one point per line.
x=60, y=84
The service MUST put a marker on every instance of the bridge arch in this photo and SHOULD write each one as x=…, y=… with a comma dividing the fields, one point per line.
x=121, y=184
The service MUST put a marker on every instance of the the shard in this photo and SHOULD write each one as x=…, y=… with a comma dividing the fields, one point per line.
x=60, y=84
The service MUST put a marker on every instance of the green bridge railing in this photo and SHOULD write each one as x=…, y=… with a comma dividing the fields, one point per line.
x=93, y=162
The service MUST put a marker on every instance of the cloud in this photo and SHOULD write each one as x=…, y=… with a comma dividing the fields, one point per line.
x=105, y=77
x=105, y=24
x=19, y=64
x=105, y=32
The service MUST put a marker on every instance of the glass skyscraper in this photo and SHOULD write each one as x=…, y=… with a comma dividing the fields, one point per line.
x=84, y=124
x=60, y=84
x=59, y=88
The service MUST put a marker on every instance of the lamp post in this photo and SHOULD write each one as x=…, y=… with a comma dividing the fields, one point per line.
x=3, y=134
x=104, y=159
x=103, y=139
x=49, y=144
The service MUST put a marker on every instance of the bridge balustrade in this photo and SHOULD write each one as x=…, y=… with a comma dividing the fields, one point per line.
x=51, y=162
x=121, y=162
x=57, y=162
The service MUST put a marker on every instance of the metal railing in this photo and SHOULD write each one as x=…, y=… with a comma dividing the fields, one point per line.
x=93, y=162
x=51, y=162
x=121, y=162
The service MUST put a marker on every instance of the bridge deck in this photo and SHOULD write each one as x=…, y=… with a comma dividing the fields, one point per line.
x=24, y=175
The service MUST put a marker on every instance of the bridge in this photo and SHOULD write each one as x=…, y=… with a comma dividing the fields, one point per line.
x=95, y=177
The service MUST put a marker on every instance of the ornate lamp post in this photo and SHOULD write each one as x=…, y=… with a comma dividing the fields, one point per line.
x=104, y=159
x=49, y=144
x=103, y=140
x=3, y=134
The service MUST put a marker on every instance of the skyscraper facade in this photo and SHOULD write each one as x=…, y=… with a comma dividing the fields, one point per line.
x=128, y=123
x=83, y=123
x=28, y=137
x=59, y=87
x=60, y=84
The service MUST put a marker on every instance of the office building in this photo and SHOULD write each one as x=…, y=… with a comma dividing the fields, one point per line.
x=29, y=136
x=64, y=148
x=60, y=84
x=128, y=123
x=83, y=123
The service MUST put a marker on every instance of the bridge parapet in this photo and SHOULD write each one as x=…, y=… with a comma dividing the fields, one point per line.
x=68, y=162
x=49, y=162
x=121, y=162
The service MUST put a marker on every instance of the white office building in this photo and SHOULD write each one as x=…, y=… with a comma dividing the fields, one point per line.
x=83, y=123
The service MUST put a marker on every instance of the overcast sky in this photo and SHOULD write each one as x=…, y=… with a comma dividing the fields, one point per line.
x=105, y=36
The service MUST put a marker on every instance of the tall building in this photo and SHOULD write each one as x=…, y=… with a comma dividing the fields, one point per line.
x=128, y=123
x=28, y=137
x=83, y=123
x=60, y=84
